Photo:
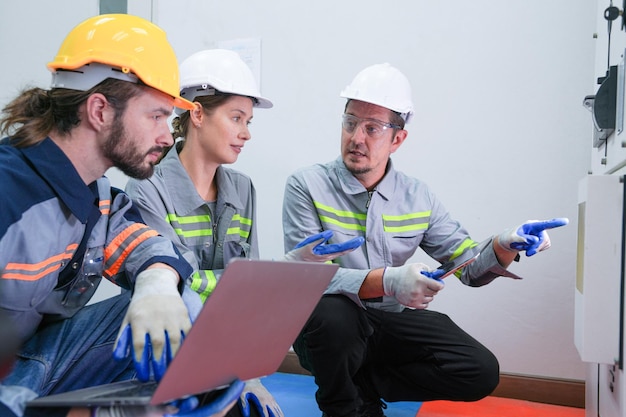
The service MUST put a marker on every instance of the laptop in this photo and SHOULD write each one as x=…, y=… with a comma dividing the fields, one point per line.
x=245, y=329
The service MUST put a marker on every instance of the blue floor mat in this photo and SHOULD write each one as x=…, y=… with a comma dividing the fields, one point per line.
x=296, y=396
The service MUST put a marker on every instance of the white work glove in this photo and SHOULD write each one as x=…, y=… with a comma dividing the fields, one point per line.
x=314, y=249
x=407, y=284
x=188, y=407
x=256, y=395
x=155, y=324
x=530, y=237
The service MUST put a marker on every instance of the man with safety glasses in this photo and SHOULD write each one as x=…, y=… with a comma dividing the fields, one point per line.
x=371, y=337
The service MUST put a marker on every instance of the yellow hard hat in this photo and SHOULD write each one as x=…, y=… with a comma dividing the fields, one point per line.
x=127, y=46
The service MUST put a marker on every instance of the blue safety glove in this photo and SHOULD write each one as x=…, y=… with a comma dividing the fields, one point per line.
x=146, y=360
x=155, y=323
x=187, y=407
x=434, y=274
x=530, y=237
x=221, y=404
x=315, y=249
x=257, y=396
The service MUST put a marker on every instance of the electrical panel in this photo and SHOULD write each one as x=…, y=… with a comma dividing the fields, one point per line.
x=606, y=104
x=598, y=269
x=600, y=291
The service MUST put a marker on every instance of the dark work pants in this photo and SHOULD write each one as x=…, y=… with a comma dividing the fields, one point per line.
x=415, y=355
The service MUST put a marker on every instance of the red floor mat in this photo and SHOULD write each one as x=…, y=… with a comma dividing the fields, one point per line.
x=496, y=407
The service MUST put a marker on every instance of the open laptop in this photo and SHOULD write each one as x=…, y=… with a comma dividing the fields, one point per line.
x=244, y=331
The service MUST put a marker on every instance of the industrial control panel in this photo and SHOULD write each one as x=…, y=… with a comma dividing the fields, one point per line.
x=601, y=247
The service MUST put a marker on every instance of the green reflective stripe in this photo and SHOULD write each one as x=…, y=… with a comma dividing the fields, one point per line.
x=243, y=220
x=406, y=222
x=203, y=218
x=238, y=231
x=193, y=233
x=188, y=226
x=467, y=244
x=203, y=282
x=344, y=219
x=243, y=227
x=343, y=225
x=339, y=213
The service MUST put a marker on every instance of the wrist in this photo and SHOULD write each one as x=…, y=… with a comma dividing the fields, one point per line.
x=503, y=241
x=389, y=279
x=372, y=286
x=503, y=255
x=156, y=281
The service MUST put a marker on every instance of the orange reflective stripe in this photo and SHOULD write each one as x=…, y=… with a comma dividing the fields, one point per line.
x=105, y=207
x=126, y=241
x=33, y=272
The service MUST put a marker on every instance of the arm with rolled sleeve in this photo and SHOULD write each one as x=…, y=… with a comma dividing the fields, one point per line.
x=442, y=238
x=446, y=237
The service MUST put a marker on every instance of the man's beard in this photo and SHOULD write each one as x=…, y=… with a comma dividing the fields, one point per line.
x=353, y=169
x=125, y=155
x=358, y=171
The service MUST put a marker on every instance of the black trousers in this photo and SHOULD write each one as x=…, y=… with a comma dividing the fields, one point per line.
x=415, y=355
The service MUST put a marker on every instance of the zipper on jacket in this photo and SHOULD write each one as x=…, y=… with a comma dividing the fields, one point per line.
x=369, y=198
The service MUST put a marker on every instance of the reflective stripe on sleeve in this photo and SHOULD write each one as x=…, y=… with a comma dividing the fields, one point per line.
x=119, y=249
x=33, y=272
x=203, y=282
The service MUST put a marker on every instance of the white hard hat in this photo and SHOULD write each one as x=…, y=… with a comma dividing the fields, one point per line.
x=218, y=69
x=383, y=85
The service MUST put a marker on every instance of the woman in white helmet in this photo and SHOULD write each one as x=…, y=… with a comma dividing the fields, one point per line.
x=208, y=210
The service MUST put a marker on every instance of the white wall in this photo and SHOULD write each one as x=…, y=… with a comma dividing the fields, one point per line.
x=500, y=132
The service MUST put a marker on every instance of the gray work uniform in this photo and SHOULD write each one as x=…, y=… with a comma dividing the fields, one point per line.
x=401, y=215
x=208, y=234
x=384, y=349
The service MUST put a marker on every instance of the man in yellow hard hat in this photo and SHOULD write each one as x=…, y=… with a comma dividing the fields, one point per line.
x=115, y=82
x=63, y=227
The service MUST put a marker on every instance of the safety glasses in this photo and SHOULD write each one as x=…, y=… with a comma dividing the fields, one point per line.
x=373, y=128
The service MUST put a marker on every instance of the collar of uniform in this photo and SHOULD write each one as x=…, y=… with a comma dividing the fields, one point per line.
x=59, y=172
x=387, y=185
x=351, y=185
x=227, y=189
x=185, y=198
